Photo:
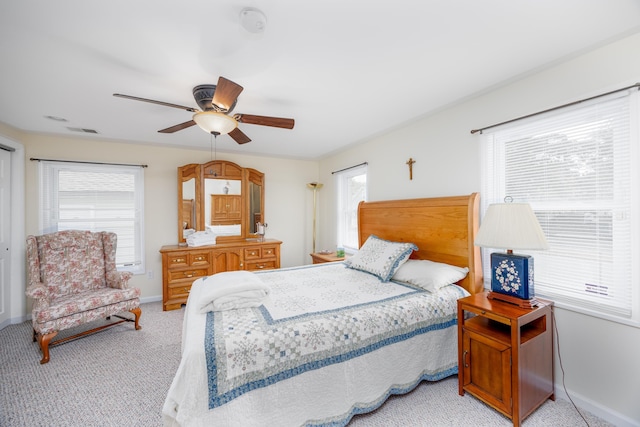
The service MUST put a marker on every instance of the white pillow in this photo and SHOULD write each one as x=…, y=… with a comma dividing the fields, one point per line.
x=380, y=257
x=429, y=275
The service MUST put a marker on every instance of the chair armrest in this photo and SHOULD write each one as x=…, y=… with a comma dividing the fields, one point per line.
x=38, y=291
x=118, y=279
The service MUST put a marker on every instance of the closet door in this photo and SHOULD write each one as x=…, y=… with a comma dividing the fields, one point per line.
x=5, y=235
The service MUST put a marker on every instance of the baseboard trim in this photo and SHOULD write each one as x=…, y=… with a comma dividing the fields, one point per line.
x=151, y=299
x=14, y=321
x=596, y=408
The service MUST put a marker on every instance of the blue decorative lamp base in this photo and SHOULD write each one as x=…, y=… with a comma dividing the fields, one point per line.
x=512, y=279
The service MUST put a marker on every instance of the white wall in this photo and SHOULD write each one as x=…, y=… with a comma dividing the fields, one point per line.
x=600, y=358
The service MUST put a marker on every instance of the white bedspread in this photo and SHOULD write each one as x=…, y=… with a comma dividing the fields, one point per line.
x=316, y=384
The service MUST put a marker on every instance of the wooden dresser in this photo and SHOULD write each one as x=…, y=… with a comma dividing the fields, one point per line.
x=182, y=265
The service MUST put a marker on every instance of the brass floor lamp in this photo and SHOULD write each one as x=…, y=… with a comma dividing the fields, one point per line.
x=315, y=186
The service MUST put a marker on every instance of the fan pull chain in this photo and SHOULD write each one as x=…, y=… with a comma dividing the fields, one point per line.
x=213, y=150
x=215, y=145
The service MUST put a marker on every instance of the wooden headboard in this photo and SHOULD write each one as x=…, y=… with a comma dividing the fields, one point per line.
x=443, y=229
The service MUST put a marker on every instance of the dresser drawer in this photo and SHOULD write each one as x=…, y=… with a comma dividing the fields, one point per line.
x=252, y=253
x=269, y=252
x=197, y=259
x=184, y=259
x=177, y=259
x=260, y=265
x=179, y=291
x=190, y=274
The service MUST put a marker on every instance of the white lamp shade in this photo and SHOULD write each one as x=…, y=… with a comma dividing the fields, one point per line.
x=212, y=121
x=511, y=226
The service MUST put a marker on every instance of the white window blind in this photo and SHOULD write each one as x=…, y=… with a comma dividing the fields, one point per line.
x=352, y=189
x=578, y=169
x=96, y=197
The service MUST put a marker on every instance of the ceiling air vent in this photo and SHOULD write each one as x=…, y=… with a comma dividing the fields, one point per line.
x=83, y=130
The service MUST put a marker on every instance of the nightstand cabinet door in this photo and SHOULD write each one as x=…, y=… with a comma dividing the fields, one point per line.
x=487, y=370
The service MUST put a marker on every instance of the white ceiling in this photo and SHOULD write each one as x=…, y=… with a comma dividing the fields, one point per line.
x=345, y=70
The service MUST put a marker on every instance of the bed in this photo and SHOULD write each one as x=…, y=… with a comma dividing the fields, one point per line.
x=333, y=340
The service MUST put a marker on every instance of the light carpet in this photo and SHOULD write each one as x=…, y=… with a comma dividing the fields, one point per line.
x=120, y=377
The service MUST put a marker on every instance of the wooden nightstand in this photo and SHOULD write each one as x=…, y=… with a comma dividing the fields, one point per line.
x=319, y=258
x=505, y=354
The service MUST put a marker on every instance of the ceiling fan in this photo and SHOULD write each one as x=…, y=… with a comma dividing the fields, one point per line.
x=216, y=103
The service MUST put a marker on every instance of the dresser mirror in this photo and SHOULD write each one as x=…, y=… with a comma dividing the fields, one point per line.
x=222, y=197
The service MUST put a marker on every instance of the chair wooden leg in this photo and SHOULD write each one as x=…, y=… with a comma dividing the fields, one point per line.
x=44, y=341
x=137, y=312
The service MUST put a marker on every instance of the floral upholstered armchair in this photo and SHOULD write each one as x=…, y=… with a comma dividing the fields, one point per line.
x=73, y=280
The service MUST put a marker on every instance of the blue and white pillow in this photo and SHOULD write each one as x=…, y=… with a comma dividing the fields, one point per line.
x=380, y=257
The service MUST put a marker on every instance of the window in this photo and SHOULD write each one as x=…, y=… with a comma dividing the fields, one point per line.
x=352, y=189
x=96, y=197
x=578, y=169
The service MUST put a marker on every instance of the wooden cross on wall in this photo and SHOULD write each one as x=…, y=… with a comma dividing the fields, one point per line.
x=410, y=162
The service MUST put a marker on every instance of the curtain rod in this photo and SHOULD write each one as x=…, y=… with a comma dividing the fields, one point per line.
x=350, y=167
x=88, y=163
x=637, y=85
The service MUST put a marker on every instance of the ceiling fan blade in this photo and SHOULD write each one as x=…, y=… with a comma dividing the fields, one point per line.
x=152, y=101
x=226, y=93
x=277, y=122
x=176, y=128
x=239, y=136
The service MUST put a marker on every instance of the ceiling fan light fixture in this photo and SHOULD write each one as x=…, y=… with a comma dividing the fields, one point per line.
x=215, y=122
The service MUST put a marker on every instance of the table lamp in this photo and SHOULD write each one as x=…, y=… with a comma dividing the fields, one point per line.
x=511, y=226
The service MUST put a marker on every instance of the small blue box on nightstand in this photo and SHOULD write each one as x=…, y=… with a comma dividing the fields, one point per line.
x=512, y=275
